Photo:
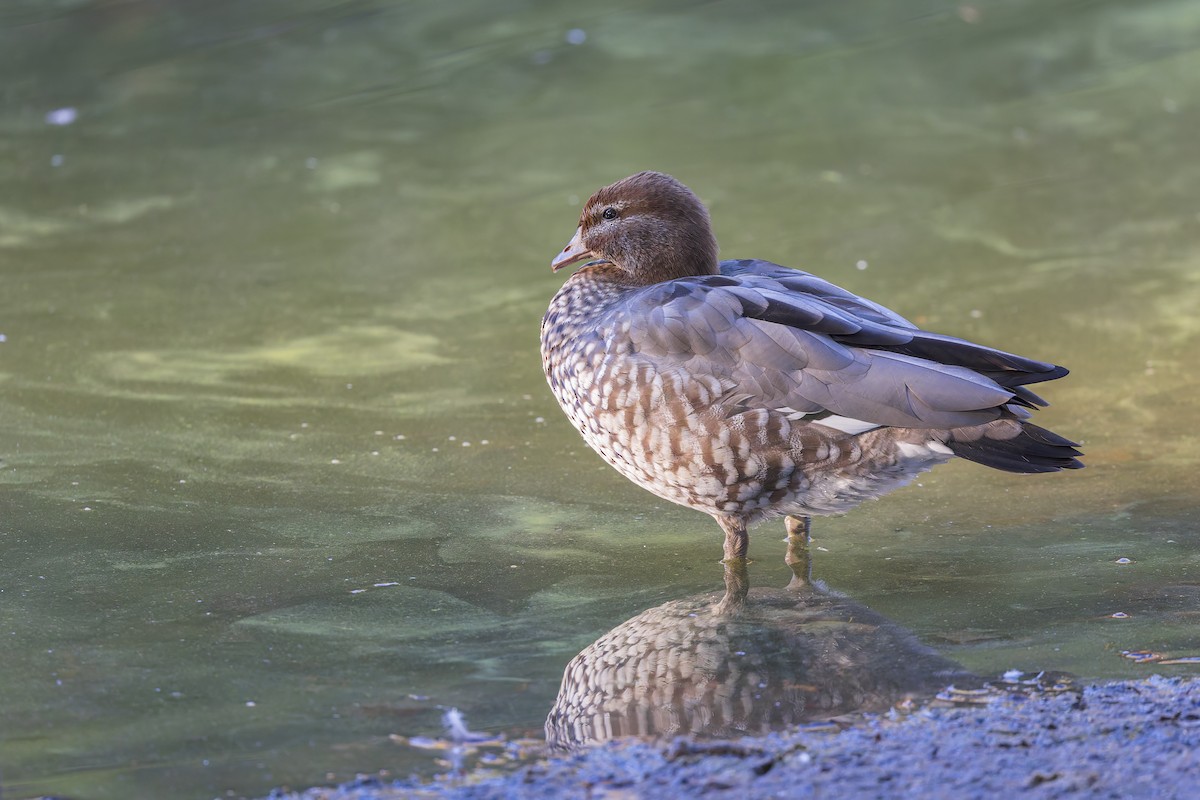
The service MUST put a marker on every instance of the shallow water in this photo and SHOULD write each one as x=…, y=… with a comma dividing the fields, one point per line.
x=281, y=475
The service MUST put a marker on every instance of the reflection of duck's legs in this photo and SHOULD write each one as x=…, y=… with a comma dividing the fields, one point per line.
x=797, y=551
x=737, y=584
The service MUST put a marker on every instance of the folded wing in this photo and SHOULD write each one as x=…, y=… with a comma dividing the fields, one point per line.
x=781, y=338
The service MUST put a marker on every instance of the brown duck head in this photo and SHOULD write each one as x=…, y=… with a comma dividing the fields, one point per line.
x=649, y=225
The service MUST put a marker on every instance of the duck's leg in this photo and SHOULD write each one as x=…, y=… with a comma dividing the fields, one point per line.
x=737, y=585
x=797, y=550
x=737, y=540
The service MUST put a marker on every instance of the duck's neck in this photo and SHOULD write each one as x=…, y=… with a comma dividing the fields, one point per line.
x=691, y=254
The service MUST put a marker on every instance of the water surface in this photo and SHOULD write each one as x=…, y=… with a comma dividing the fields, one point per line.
x=281, y=475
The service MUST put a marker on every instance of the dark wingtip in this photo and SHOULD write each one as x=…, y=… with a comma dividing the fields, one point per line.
x=1033, y=450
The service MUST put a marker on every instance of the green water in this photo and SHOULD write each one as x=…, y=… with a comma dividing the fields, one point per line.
x=280, y=473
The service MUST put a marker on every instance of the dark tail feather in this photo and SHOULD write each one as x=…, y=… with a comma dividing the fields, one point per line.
x=1015, y=446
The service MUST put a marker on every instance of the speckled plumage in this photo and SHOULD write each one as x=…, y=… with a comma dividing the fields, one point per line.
x=745, y=389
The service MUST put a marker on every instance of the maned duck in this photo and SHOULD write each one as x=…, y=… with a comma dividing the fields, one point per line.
x=747, y=390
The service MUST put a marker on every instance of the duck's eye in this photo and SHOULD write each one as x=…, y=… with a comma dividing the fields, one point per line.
x=609, y=213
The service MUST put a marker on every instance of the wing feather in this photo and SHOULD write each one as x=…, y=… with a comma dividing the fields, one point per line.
x=780, y=338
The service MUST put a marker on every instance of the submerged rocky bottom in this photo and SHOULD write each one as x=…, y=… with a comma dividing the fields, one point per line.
x=1116, y=740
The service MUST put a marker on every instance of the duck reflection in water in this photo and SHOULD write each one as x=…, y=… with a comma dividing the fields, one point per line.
x=747, y=662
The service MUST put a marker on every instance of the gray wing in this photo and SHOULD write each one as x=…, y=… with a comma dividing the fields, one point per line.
x=785, y=339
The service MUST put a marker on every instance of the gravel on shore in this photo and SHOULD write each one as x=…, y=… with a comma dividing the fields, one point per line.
x=1128, y=739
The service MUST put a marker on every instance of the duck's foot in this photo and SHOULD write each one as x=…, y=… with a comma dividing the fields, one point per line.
x=797, y=557
x=737, y=540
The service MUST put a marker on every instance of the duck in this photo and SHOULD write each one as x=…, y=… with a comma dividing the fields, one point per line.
x=748, y=390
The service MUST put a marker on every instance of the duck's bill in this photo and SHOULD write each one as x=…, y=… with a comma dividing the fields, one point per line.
x=573, y=253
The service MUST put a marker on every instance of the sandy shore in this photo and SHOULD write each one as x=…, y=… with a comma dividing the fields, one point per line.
x=1130, y=739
